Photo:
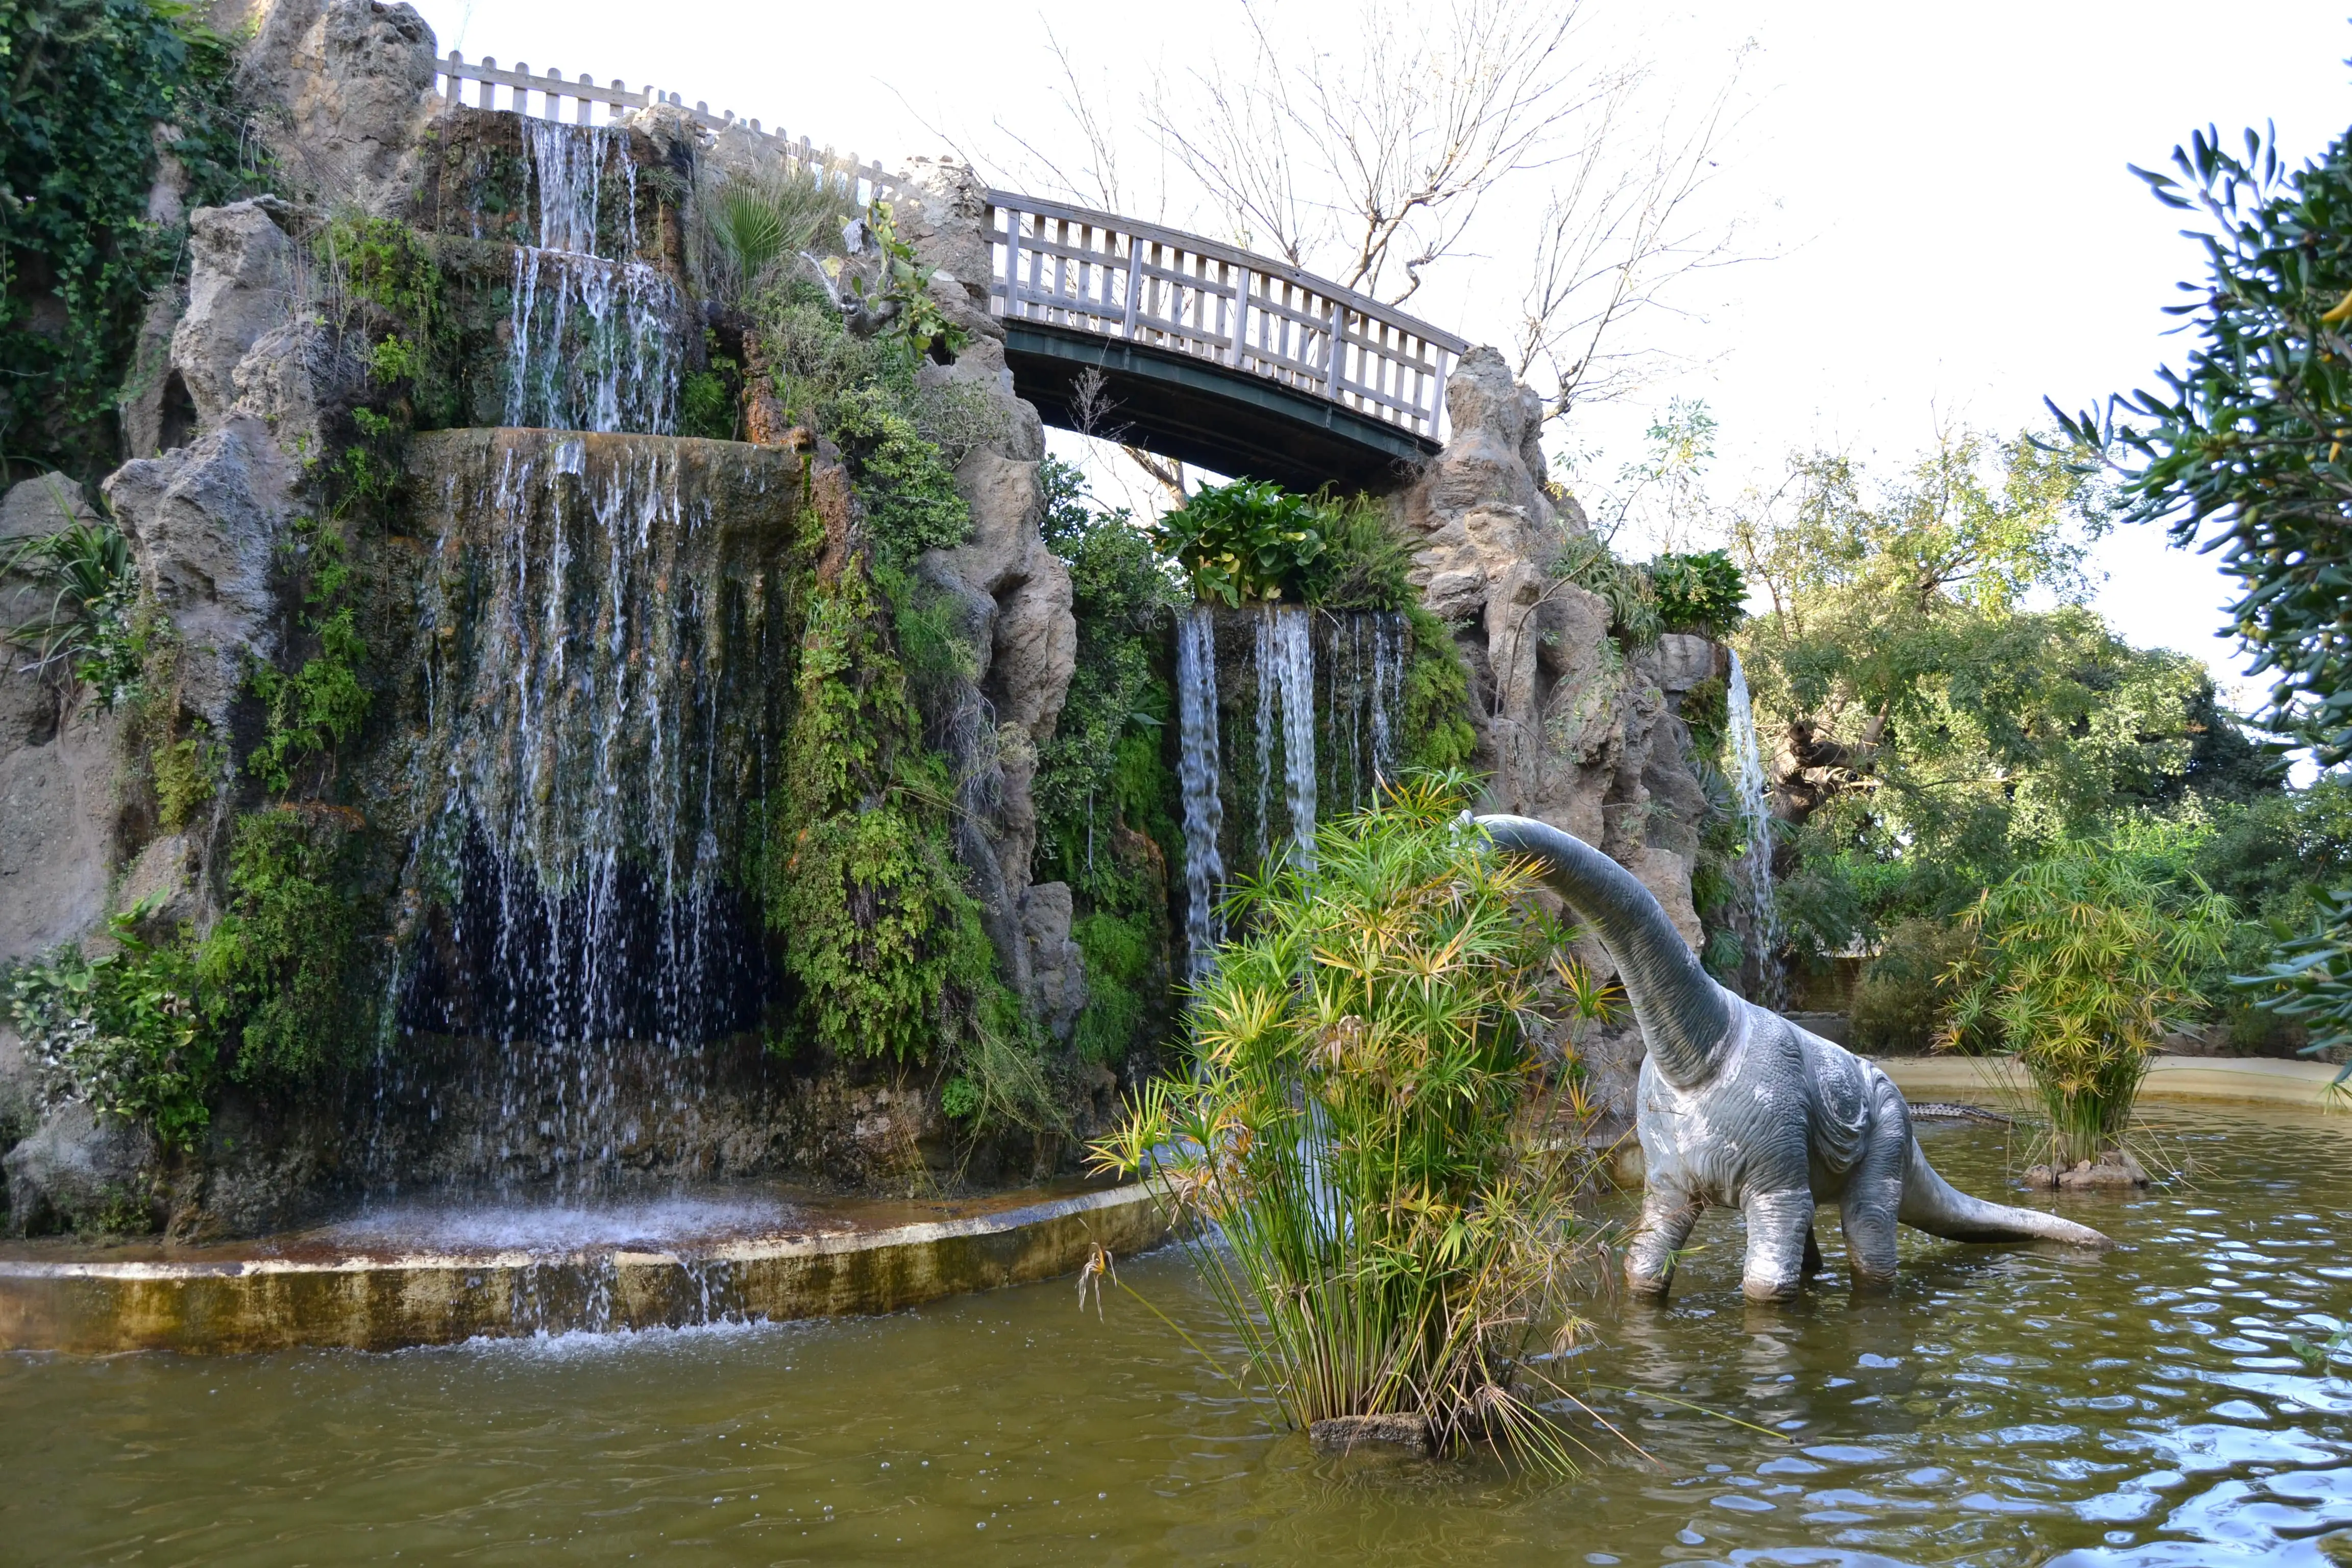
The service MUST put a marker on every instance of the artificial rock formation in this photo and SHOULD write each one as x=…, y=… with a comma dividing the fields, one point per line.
x=1012, y=598
x=1570, y=730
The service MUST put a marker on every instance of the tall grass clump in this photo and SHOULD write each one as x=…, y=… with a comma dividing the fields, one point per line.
x=2078, y=965
x=1368, y=1149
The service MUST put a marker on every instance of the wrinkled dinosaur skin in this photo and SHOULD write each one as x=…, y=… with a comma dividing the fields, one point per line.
x=1741, y=1109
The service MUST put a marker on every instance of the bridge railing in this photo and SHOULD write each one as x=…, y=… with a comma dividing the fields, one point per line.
x=1095, y=272
x=1098, y=273
x=547, y=97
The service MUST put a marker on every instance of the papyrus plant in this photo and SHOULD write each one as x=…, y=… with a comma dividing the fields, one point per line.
x=2080, y=965
x=1378, y=1162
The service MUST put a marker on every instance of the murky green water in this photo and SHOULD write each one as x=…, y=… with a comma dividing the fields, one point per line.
x=2002, y=1406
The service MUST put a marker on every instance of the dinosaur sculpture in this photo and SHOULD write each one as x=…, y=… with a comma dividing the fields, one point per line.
x=1739, y=1108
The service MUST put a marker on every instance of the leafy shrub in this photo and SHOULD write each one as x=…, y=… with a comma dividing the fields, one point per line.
x=910, y=496
x=1387, y=1213
x=750, y=229
x=1365, y=559
x=1247, y=540
x=124, y=1032
x=1438, y=735
x=89, y=82
x=706, y=408
x=1703, y=593
x=90, y=627
x=276, y=970
x=2081, y=964
x=1900, y=998
x=2309, y=979
x=856, y=875
x=1587, y=561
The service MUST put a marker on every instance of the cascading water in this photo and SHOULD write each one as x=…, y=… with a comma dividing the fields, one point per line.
x=1294, y=660
x=593, y=339
x=1764, y=911
x=603, y=657
x=1362, y=665
x=1197, y=774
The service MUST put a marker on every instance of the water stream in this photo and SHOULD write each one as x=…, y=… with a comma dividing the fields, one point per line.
x=1764, y=930
x=593, y=333
x=1198, y=765
x=2002, y=1407
x=584, y=761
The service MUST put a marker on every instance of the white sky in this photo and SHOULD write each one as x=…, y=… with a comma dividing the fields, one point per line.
x=1941, y=192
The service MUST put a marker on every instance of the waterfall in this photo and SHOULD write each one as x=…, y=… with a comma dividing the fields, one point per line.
x=593, y=339
x=580, y=789
x=1361, y=665
x=1294, y=660
x=591, y=345
x=1262, y=727
x=1764, y=911
x=1205, y=817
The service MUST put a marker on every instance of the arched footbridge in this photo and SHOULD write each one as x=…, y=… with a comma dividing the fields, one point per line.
x=1195, y=350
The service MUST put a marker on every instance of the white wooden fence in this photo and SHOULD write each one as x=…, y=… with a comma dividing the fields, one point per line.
x=545, y=97
x=1097, y=272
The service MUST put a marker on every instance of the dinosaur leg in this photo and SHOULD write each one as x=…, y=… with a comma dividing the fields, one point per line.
x=1778, y=1224
x=1874, y=1192
x=1666, y=1220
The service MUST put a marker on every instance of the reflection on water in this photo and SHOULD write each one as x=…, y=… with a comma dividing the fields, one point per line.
x=2002, y=1406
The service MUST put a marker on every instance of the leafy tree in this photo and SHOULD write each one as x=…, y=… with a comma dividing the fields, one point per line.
x=1924, y=729
x=2246, y=446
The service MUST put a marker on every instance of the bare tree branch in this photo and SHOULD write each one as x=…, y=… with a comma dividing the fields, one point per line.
x=1616, y=234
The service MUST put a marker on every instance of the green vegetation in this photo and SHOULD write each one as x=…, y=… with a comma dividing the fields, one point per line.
x=2251, y=437
x=278, y=973
x=858, y=880
x=1368, y=1130
x=91, y=628
x=1248, y=539
x=271, y=997
x=383, y=276
x=2309, y=979
x=89, y=80
x=1703, y=592
x=324, y=702
x=1105, y=797
x=2080, y=965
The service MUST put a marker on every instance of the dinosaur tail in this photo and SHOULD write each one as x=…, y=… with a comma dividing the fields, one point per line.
x=1933, y=1204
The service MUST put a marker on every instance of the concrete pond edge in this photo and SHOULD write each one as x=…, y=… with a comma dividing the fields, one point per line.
x=382, y=1303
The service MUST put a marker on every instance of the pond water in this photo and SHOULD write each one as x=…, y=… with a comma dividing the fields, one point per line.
x=2001, y=1407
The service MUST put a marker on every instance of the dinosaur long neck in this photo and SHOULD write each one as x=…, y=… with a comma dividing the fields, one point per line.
x=1683, y=1015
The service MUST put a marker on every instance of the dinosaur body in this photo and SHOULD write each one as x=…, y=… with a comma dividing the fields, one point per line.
x=1738, y=1108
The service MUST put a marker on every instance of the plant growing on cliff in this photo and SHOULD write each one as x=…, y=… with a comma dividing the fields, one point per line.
x=856, y=875
x=276, y=973
x=1386, y=1205
x=322, y=702
x=123, y=1031
x=87, y=626
x=1247, y=540
x=2080, y=965
x=90, y=84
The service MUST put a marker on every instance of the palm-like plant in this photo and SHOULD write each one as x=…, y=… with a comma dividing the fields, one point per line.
x=1381, y=1195
x=85, y=571
x=2082, y=964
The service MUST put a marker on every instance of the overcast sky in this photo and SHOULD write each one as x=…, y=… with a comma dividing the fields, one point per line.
x=1937, y=196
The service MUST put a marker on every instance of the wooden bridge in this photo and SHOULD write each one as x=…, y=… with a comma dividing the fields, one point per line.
x=1206, y=354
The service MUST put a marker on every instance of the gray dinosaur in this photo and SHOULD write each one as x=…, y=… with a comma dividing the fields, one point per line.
x=1740, y=1107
